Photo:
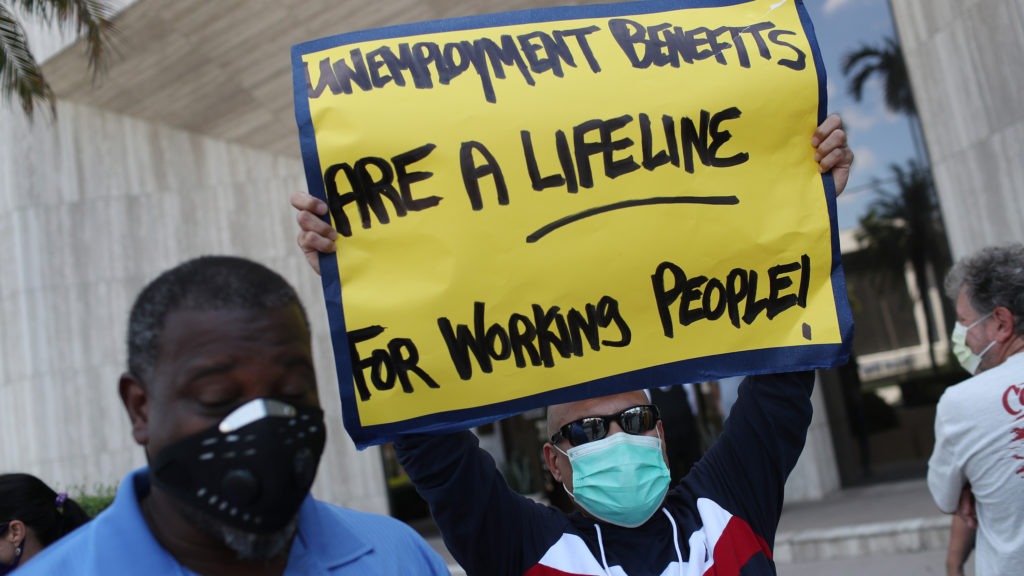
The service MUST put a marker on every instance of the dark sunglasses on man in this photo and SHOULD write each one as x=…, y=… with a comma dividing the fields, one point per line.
x=635, y=420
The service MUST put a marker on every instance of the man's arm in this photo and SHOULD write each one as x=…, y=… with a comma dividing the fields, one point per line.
x=961, y=543
x=946, y=479
x=745, y=471
x=962, y=534
x=489, y=529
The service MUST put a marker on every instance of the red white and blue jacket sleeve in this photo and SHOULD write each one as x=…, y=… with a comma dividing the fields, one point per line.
x=745, y=471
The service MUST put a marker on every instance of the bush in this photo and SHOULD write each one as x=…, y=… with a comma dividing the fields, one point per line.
x=96, y=500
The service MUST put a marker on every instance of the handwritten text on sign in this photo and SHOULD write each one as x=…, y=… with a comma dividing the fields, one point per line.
x=577, y=201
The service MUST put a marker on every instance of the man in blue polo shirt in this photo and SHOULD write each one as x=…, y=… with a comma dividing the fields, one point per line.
x=221, y=393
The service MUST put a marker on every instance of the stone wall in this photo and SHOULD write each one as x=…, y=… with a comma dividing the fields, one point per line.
x=964, y=59
x=816, y=474
x=93, y=206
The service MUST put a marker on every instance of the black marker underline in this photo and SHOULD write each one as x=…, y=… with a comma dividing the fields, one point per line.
x=712, y=200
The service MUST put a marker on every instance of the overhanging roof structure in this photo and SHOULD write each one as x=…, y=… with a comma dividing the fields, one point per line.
x=222, y=68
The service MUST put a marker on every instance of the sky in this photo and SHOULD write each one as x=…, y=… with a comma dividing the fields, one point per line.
x=878, y=137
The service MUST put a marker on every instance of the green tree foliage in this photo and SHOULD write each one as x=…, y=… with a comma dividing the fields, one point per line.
x=97, y=499
x=21, y=76
x=904, y=225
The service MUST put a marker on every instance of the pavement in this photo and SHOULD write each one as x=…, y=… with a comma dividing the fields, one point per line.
x=881, y=529
x=888, y=528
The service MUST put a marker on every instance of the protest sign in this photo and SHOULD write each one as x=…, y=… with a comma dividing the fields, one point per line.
x=545, y=205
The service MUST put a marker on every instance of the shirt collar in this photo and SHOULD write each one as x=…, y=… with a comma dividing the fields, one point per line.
x=129, y=538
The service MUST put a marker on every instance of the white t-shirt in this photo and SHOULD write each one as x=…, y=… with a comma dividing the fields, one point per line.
x=979, y=438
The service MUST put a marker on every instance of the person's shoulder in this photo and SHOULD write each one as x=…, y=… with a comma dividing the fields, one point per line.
x=955, y=400
x=953, y=392
x=995, y=378
x=69, y=555
x=350, y=515
x=117, y=541
x=366, y=522
x=389, y=537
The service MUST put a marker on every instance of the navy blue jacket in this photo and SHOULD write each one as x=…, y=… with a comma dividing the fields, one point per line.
x=720, y=519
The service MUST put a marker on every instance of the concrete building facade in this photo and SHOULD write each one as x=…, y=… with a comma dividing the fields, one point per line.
x=92, y=207
x=965, y=65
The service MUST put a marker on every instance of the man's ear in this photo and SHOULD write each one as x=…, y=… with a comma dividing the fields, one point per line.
x=1005, y=330
x=664, y=444
x=136, y=402
x=549, y=459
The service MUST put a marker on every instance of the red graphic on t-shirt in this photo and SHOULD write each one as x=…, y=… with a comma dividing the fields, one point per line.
x=1013, y=400
x=1018, y=436
x=1013, y=403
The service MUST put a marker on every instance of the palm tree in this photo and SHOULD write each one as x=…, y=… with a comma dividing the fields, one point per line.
x=20, y=74
x=905, y=224
x=887, y=62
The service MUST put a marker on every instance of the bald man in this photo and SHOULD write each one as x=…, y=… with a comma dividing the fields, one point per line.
x=608, y=455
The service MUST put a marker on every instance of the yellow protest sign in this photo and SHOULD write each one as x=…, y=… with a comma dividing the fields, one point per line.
x=544, y=205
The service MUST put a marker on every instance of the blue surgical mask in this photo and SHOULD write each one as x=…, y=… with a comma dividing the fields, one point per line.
x=621, y=479
x=967, y=358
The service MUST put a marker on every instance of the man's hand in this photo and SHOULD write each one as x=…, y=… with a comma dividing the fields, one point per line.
x=315, y=235
x=965, y=509
x=832, y=152
x=962, y=531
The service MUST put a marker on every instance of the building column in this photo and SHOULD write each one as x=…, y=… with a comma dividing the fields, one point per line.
x=816, y=474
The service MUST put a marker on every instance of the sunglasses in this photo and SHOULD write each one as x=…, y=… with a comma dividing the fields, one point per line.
x=635, y=420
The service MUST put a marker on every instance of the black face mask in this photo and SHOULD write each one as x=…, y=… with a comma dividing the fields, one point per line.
x=252, y=471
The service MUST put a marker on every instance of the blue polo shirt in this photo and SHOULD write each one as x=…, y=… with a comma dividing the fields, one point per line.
x=330, y=540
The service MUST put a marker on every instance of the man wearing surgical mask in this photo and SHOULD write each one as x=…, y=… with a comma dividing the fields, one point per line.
x=608, y=453
x=221, y=393
x=979, y=423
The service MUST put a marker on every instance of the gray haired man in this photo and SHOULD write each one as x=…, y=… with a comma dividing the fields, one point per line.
x=979, y=425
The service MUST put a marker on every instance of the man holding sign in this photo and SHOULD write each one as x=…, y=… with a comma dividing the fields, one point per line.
x=562, y=207
x=545, y=205
x=608, y=454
